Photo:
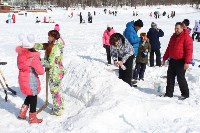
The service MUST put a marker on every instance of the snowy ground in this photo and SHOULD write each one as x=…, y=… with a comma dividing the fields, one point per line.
x=96, y=101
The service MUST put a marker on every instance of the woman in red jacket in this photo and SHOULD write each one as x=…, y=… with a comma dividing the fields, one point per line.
x=179, y=51
x=28, y=62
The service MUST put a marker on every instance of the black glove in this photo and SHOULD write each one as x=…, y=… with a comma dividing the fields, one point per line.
x=104, y=45
x=3, y=63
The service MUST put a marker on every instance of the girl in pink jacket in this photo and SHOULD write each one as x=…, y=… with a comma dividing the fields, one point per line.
x=28, y=62
x=106, y=37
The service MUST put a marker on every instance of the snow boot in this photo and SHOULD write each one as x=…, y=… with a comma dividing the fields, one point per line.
x=33, y=118
x=57, y=112
x=22, y=113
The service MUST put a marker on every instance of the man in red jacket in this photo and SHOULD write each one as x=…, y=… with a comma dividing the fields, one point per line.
x=179, y=51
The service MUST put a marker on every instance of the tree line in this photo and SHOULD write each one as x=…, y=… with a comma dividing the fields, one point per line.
x=116, y=3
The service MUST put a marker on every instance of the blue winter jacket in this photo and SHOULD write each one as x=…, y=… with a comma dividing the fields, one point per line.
x=131, y=35
x=153, y=35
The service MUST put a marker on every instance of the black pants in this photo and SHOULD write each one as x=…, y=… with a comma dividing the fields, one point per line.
x=108, y=54
x=32, y=101
x=158, y=58
x=126, y=75
x=176, y=68
x=197, y=36
x=139, y=70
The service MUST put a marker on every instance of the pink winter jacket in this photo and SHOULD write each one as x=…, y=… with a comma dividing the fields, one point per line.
x=29, y=68
x=106, y=36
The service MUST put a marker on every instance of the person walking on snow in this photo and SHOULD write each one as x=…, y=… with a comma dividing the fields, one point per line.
x=122, y=54
x=53, y=62
x=106, y=44
x=179, y=51
x=154, y=34
x=131, y=34
x=28, y=62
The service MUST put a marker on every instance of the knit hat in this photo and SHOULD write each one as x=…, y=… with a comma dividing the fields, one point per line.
x=108, y=25
x=143, y=34
x=138, y=23
x=57, y=27
x=153, y=25
x=186, y=22
x=27, y=41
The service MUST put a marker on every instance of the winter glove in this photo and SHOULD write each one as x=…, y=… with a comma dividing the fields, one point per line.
x=104, y=45
x=44, y=63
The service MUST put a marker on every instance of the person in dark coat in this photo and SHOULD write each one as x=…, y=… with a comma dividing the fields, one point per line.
x=81, y=18
x=142, y=58
x=153, y=34
x=179, y=51
x=89, y=17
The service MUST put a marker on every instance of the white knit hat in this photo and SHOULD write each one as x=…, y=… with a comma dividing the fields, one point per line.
x=27, y=41
x=108, y=25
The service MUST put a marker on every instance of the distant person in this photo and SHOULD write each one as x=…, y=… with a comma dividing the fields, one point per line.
x=89, y=17
x=81, y=18
x=45, y=19
x=179, y=52
x=105, y=10
x=122, y=54
x=115, y=13
x=133, y=13
x=164, y=13
x=150, y=14
x=37, y=20
x=9, y=18
x=154, y=34
x=72, y=14
x=196, y=31
x=13, y=18
x=106, y=44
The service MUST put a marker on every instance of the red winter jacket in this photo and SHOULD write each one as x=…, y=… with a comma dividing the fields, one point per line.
x=180, y=47
x=29, y=68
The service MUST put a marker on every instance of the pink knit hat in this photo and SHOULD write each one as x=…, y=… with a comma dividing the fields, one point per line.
x=57, y=27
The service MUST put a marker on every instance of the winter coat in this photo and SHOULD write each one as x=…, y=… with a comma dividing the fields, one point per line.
x=53, y=61
x=123, y=51
x=106, y=36
x=29, y=68
x=153, y=35
x=180, y=47
x=188, y=29
x=131, y=35
x=143, y=51
x=197, y=26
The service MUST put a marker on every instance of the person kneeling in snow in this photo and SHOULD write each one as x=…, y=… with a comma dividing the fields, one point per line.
x=53, y=61
x=122, y=54
x=28, y=62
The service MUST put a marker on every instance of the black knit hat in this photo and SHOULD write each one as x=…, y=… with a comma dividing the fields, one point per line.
x=138, y=23
x=186, y=22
